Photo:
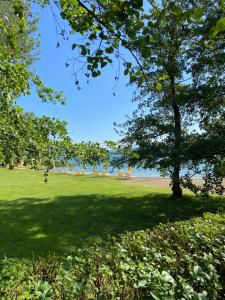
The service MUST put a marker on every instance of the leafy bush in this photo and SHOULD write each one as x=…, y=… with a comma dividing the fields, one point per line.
x=183, y=260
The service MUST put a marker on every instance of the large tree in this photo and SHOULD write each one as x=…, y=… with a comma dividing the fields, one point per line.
x=176, y=60
x=20, y=134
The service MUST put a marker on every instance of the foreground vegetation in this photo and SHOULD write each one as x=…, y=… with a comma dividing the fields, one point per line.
x=73, y=211
x=183, y=260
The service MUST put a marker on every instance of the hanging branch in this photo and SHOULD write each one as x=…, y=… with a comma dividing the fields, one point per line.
x=111, y=30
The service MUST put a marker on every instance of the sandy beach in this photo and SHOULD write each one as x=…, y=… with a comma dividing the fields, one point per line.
x=156, y=181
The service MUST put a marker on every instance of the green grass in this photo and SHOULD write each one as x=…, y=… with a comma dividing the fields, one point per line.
x=70, y=211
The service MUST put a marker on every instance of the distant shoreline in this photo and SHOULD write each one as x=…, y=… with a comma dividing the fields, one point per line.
x=143, y=180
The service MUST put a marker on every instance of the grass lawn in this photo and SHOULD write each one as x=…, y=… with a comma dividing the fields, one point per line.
x=70, y=211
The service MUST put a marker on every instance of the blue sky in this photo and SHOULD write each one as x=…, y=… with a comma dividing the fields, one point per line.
x=90, y=112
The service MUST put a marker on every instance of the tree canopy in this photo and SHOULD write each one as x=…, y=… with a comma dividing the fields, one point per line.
x=176, y=60
x=23, y=135
x=89, y=154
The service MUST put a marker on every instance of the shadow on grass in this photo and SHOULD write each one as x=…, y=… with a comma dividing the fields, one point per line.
x=37, y=226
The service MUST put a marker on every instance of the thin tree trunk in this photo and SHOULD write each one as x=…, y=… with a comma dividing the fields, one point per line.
x=172, y=71
x=177, y=191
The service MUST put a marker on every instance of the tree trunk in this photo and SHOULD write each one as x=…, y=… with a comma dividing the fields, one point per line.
x=173, y=71
x=177, y=191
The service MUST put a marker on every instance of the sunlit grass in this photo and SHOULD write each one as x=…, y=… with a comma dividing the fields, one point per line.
x=70, y=211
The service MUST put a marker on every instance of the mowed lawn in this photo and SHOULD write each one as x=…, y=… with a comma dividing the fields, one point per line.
x=72, y=211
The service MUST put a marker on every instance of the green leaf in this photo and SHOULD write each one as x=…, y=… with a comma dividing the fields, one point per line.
x=90, y=59
x=109, y=60
x=198, y=13
x=92, y=36
x=159, y=86
x=164, y=77
x=142, y=283
x=99, y=52
x=154, y=296
x=73, y=46
x=109, y=50
x=167, y=277
x=83, y=51
x=197, y=269
x=96, y=73
x=221, y=24
x=146, y=52
x=103, y=64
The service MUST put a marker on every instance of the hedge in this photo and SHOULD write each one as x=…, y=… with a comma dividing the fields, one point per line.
x=182, y=260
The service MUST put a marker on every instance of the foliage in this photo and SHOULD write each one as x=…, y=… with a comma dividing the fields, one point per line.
x=89, y=153
x=30, y=138
x=183, y=260
x=23, y=136
x=17, y=53
x=176, y=61
x=218, y=29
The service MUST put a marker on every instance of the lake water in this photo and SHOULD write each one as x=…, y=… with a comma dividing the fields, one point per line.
x=137, y=172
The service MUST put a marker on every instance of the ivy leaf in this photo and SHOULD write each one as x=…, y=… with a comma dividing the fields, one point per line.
x=142, y=283
x=197, y=269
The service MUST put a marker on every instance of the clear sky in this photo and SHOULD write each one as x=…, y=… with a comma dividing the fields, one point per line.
x=90, y=112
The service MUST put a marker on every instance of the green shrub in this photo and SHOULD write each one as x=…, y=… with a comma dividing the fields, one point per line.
x=183, y=260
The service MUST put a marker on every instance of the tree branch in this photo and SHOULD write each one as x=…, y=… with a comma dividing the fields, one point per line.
x=111, y=30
